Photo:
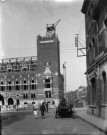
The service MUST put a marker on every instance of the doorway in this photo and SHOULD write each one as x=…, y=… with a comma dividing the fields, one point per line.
x=10, y=101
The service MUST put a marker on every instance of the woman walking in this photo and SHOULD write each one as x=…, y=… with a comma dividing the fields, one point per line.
x=35, y=112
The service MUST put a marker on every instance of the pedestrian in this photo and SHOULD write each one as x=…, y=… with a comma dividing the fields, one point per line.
x=54, y=106
x=35, y=112
x=46, y=107
x=43, y=109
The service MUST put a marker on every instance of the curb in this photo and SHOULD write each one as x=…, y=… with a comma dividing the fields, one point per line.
x=105, y=131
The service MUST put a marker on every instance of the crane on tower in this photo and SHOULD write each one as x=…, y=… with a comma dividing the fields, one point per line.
x=51, y=28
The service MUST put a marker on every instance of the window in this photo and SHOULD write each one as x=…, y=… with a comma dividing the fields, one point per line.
x=9, y=85
x=93, y=82
x=33, y=85
x=25, y=85
x=47, y=83
x=33, y=96
x=48, y=94
x=17, y=85
x=25, y=96
x=2, y=86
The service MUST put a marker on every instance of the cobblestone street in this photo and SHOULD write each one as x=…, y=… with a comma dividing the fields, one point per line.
x=49, y=125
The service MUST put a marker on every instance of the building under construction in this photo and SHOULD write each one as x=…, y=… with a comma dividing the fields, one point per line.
x=31, y=80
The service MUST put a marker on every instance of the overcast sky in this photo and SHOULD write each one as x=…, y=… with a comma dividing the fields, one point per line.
x=22, y=20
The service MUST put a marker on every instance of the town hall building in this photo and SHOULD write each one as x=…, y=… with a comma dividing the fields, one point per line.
x=32, y=80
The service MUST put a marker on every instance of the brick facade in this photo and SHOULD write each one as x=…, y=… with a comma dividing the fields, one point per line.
x=32, y=80
x=96, y=47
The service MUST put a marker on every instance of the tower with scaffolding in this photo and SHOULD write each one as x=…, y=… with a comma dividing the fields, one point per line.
x=26, y=81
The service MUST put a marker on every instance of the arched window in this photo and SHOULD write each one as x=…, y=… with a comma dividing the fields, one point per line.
x=9, y=85
x=25, y=85
x=17, y=85
x=2, y=87
x=93, y=82
x=33, y=85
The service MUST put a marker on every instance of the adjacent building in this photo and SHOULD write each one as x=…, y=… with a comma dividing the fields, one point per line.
x=32, y=80
x=96, y=47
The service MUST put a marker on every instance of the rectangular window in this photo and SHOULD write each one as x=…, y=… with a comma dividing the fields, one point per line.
x=47, y=83
x=48, y=94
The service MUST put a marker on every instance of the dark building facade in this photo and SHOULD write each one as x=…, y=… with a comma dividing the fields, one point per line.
x=32, y=80
x=96, y=47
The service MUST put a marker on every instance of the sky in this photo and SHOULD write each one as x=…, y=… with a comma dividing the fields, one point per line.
x=22, y=20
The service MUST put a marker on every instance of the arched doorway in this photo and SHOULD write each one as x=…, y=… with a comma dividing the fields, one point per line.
x=10, y=101
x=93, y=83
x=2, y=99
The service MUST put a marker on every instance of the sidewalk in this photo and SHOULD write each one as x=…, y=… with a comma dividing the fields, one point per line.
x=91, y=119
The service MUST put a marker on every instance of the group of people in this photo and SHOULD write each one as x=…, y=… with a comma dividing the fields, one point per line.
x=43, y=108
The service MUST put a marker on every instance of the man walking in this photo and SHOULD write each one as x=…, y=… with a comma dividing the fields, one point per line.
x=43, y=109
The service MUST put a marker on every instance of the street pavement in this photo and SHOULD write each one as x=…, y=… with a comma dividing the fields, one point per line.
x=97, y=122
x=28, y=125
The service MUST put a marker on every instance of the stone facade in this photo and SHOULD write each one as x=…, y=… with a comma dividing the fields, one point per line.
x=96, y=47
